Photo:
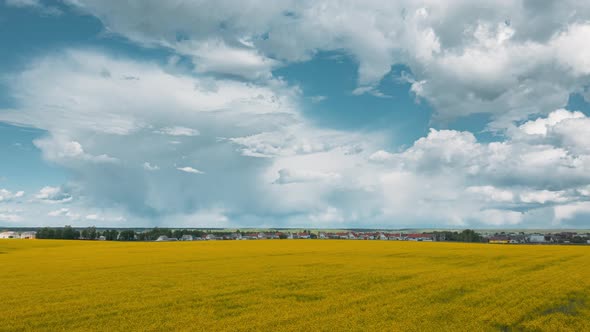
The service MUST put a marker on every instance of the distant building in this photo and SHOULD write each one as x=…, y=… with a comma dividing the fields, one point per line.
x=418, y=237
x=341, y=235
x=536, y=238
x=250, y=236
x=9, y=235
x=28, y=235
x=186, y=237
x=17, y=235
x=162, y=238
x=394, y=236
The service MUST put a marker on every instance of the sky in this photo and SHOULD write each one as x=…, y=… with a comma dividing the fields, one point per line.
x=323, y=114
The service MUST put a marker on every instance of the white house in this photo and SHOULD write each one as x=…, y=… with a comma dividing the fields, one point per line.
x=162, y=238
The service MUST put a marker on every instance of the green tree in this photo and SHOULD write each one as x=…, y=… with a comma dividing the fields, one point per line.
x=179, y=233
x=126, y=235
x=46, y=233
x=91, y=233
x=69, y=233
x=111, y=234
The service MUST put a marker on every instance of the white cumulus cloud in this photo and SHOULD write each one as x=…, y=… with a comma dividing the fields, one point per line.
x=188, y=169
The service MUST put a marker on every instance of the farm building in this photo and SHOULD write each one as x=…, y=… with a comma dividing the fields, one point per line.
x=28, y=235
x=9, y=235
x=17, y=235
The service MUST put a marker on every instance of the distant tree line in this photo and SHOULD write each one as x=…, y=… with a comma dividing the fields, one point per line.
x=156, y=232
x=67, y=233
x=467, y=235
x=578, y=239
x=91, y=233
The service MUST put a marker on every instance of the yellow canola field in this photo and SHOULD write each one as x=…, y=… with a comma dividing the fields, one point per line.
x=292, y=285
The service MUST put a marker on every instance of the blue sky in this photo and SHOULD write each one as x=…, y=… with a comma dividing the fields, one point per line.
x=298, y=114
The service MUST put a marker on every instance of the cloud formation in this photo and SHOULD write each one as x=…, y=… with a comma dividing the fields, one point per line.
x=258, y=156
x=227, y=142
x=6, y=195
x=511, y=59
x=53, y=195
x=35, y=5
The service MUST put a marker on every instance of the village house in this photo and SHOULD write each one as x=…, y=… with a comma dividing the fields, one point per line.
x=392, y=236
x=536, y=238
x=303, y=236
x=271, y=235
x=250, y=236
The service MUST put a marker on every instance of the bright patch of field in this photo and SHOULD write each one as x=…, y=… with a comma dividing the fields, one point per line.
x=292, y=285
